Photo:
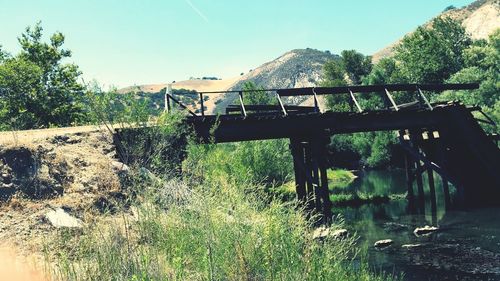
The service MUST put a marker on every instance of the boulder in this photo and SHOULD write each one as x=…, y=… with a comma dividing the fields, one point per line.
x=323, y=232
x=120, y=167
x=60, y=218
x=383, y=243
x=426, y=230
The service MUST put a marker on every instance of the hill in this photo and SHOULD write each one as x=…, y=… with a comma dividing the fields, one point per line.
x=194, y=84
x=479, y=19
x=296, y=68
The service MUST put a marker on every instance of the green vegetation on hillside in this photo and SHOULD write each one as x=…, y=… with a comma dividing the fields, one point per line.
x=440, y=54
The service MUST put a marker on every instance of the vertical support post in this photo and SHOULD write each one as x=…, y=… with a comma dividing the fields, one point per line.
x=389, y=96
x=281, y=104
x=308, y=172
x=422, y=97
x=420, y=186
x=299, y=165
x=167, y=97
x=202, y=106
x=243, y=110
x=316, y=102
x=325, y=192
x=430, y=154
x=168, y=90
x=409, y=178
x=315, y=176
x=353, y=98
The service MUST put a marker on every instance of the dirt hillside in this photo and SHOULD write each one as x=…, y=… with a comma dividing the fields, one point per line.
x=50, y=177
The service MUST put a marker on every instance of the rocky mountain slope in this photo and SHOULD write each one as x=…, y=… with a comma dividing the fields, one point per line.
x=479, y=19
x=296, y=68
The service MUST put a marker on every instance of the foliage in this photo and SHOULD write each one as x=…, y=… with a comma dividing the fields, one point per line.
x=482, y=64
x=432, y=55
x=246, y=162
x=255, y=95
x=440, y=53
x=113, y=108
x=37, y=89
x=356, y=65
x=449, y=8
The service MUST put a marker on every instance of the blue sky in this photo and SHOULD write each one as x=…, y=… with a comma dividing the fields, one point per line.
x=127, y=42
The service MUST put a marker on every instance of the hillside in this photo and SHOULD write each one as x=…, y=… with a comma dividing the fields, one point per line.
x=296, y=68
x=197, y=85
x=479, y=19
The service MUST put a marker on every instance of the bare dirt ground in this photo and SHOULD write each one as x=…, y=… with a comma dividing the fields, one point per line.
x=71, y=169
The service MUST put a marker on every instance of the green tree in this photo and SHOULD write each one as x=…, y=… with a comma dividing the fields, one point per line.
x=255, y=94
x=482, y=65
x=38, y=89
x=432, y=55
x=356, y=65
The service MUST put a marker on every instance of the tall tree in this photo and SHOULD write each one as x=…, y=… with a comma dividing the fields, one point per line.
x=432, y=54
x=39, y=90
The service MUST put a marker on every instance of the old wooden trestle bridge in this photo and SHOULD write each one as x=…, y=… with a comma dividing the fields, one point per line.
x=438, y=137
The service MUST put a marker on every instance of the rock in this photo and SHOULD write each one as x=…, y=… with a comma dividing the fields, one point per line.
x=323, y=232
x=60, y=218
x=119, y=166
x=339, y=234
x=411, y=246
x=426, y=230
x=383, y=243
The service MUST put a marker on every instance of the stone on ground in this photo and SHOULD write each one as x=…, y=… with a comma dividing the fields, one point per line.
x=60, y=218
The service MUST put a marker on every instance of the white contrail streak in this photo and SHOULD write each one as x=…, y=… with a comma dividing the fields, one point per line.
x=196, y=10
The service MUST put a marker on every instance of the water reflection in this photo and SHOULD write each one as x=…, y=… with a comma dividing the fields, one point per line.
x=467, y=247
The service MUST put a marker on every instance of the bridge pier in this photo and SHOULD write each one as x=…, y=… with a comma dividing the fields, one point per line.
x=311, y=181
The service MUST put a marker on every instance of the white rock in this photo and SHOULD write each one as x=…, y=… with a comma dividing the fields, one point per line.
x=119, y=166
x=59, y=218
x=426, y=230
x=323, y=232
x=383, y=243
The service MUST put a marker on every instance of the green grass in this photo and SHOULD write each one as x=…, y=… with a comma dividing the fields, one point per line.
x=215, y=231
x=339, y=178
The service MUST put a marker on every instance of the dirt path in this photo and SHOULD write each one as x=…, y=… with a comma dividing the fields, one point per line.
x=29, y=136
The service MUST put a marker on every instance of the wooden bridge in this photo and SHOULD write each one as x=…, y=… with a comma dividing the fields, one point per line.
x=438, y=137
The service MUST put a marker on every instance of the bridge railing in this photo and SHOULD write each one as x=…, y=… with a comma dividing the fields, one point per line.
x=315, y=92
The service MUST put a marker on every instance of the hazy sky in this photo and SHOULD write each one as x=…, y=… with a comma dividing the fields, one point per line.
x=127, y=42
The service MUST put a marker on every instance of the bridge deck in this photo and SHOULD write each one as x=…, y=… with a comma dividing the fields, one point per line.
x=231, y=128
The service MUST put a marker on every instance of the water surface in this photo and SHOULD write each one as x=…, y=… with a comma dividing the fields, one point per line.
x=467, y=246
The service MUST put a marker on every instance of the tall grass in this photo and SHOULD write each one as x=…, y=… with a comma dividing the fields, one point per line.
x=216, y=231
x=215, y=222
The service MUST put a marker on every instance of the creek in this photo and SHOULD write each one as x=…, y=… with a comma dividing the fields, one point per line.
x=465, y=247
